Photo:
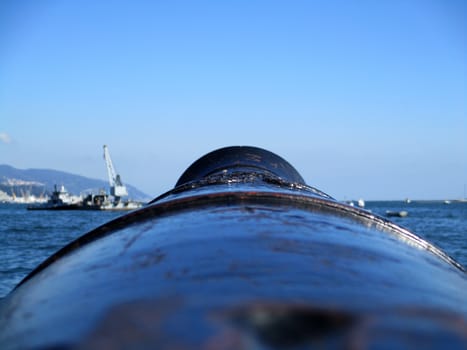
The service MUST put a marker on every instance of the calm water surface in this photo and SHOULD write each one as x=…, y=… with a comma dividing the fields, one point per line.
x=28, y=237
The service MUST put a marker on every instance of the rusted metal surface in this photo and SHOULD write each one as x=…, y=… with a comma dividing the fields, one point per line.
x=241, y=258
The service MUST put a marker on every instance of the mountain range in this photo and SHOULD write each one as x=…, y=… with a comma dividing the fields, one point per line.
x=39, y=182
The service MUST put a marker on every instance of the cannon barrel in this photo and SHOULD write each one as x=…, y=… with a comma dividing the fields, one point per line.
x=241, y=254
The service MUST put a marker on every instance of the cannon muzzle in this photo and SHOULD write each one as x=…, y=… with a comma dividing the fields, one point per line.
x=241, y=254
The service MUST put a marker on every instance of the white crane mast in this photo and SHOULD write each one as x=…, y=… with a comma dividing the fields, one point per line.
x=117, y=188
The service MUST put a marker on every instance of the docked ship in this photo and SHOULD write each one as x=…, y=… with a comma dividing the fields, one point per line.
x=61, y=199
x=103, y=201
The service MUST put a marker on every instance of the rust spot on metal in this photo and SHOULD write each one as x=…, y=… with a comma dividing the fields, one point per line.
x=27, y=315
x=136, y=324
x=149, y=258
x=254, y=157
x=98, y=266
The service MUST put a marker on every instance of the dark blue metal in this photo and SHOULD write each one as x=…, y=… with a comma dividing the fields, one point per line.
x=241, y=256
x=240, y=158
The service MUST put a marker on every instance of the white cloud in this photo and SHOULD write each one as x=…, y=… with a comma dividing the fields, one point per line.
x=4, y=137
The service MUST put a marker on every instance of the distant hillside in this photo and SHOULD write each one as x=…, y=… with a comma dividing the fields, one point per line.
x=41, y=181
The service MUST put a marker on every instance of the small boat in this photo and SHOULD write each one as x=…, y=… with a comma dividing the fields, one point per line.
x=400, y=214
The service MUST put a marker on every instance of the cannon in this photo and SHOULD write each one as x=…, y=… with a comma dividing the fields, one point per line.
x=241, y=254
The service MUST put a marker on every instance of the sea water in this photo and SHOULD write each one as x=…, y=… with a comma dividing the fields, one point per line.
x=29, y=237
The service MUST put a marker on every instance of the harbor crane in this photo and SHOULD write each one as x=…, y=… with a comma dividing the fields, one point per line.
x=117, y=188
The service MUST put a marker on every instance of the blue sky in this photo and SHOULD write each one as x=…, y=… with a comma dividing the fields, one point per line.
x=365, y=98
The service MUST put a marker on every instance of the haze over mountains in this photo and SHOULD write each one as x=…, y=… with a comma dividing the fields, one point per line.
x=40, y=182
